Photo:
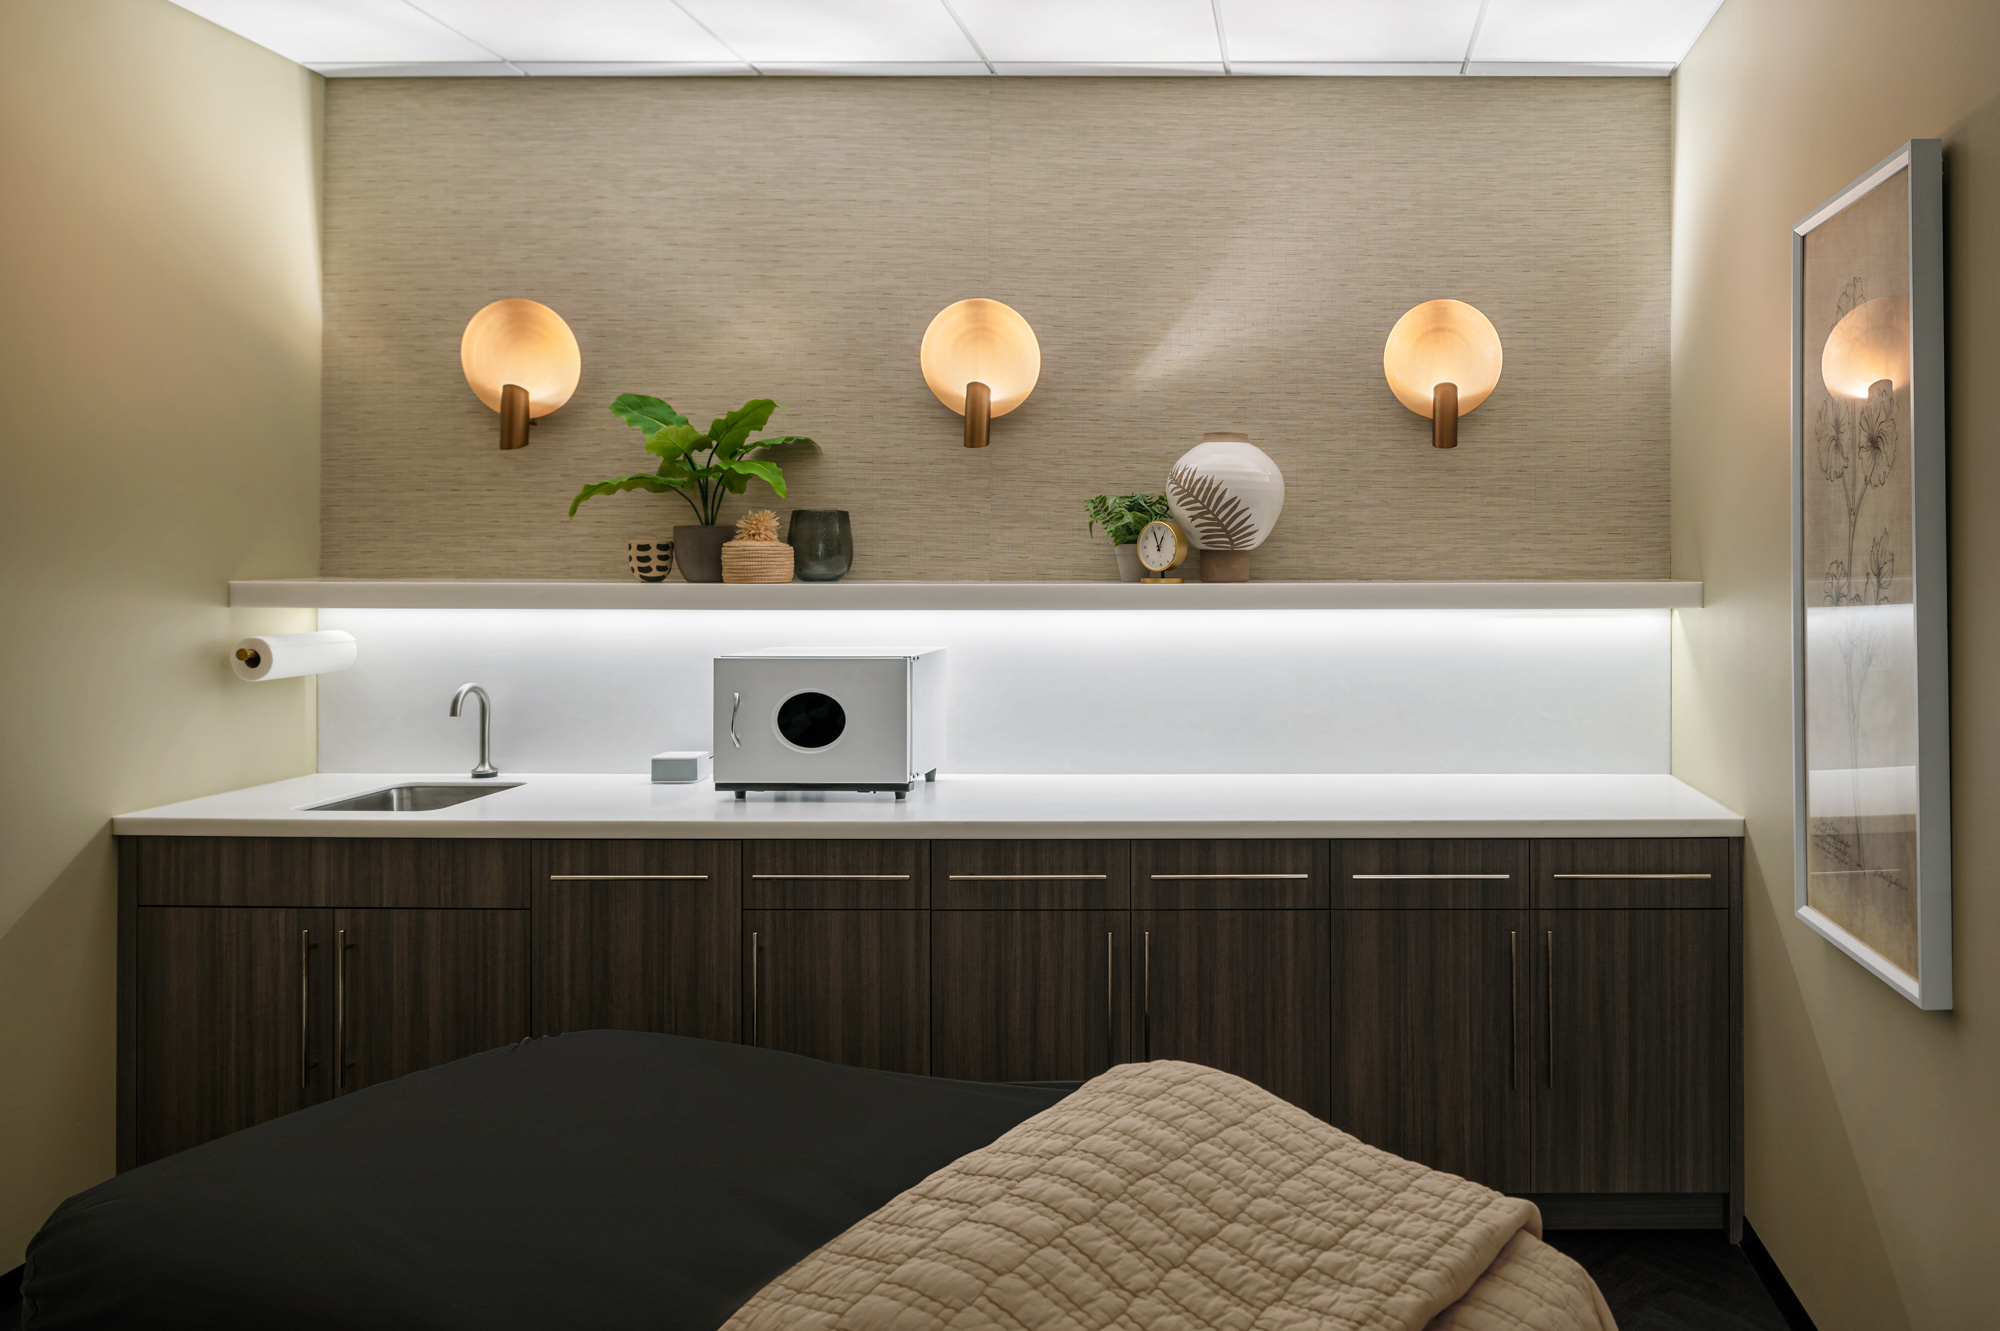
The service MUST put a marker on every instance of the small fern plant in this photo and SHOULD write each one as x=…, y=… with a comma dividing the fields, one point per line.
x=700, y=467
x=1123, y=516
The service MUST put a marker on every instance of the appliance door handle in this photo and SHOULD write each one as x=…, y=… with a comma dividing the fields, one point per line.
x=732, y=719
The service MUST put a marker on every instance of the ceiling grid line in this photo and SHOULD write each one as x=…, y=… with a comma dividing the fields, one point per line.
x=1465, y=66
x=417, y=8
x=970, y=40
x=695, y=19
x=1221, y=36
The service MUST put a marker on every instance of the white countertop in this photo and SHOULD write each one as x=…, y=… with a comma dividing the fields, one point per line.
x=572, y=805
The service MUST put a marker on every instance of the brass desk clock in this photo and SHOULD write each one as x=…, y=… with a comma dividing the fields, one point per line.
x=1162, y=547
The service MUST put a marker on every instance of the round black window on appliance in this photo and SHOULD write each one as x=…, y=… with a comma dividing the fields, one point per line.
x=811, y=720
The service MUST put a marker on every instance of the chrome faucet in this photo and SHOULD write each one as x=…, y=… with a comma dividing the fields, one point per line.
x=486, y=767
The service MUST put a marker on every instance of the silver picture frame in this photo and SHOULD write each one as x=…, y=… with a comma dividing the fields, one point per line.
x=1871, y=686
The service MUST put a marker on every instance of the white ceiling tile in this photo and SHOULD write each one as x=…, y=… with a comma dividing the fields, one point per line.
x=875, y=68
x=1593, y=31
x=1108, y=32
x=1302, y=31
x=1336, y=69
x=621, y=30
x=315, y=32
x=625, y=69
x=1572, y=69
x=1086, y=69
x=440, y=69
x=834, y=32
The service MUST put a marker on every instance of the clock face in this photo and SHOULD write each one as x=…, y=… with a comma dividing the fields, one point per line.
x=1161, y=546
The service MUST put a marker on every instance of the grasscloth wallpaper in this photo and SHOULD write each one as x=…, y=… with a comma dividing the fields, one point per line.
x=1194, y=254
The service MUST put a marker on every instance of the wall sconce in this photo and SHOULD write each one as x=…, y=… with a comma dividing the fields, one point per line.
x=982, y=361
x=1442, y=360
x=522, y=361
x=1868, y=348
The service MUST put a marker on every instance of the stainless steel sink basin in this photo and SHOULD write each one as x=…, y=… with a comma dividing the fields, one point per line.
x=413, y=799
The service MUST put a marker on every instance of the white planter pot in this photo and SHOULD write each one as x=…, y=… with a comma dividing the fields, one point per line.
x=1128, y=562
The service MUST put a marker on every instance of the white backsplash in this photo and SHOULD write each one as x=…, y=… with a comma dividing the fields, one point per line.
x=1036, y=691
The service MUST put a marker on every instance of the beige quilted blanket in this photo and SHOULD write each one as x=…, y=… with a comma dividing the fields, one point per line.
x=1164, y=1196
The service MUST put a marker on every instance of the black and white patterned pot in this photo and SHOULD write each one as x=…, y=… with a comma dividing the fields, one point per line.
x=651, y=561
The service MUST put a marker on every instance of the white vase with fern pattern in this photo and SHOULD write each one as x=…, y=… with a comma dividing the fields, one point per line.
x=1226, y=494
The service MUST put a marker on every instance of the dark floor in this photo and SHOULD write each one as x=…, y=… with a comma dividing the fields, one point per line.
x=1672, y=1280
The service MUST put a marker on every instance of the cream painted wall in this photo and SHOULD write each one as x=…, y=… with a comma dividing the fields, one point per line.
x=159, y=362
x=1874, y=1128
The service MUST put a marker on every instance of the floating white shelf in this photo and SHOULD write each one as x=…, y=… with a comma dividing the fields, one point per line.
x=357, y=594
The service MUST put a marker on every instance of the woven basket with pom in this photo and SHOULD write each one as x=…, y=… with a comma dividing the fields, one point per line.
x=757, y=555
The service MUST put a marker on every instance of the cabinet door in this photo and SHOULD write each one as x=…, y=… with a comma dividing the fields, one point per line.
x=1432, y=1040
x=1633, y=1051
x=1029, y=995
x=233, y=1019
x=1241, y=990
x=416, y=988
x=637, y=936
x=848, y=986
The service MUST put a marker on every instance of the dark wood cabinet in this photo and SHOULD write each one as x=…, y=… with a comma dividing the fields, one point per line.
x=416, y=988
x=1029, y=995
x=1559, y=1018
x=1246, y=991
x=637, y=936
x=1633, y=1080
x=848, y=986
x=235, y=1022
x=1433, y=1037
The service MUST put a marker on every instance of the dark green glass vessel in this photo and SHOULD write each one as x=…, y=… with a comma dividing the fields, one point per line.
x=823, y=543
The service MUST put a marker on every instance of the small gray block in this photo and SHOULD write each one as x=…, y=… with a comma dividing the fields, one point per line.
x=680, y=769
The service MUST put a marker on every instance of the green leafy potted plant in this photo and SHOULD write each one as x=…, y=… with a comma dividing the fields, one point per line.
x=1122, y=517
x=702, y=467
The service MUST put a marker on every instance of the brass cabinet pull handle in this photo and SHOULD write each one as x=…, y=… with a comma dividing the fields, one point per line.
x=1027, y=877
x=1146, y=997
x=1631, y=875
x=1110, y=1027
x=1219, y=877
x=340, y=1007
x=753, y=986
x=1430, y=877
x=1551, y=937
x=305, y=1009
x=831, y=877
x=628, y=877
x=1514, y=1009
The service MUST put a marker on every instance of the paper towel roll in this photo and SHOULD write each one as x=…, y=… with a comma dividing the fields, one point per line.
x=284, y=655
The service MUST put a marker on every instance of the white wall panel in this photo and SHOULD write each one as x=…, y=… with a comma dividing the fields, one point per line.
x=1037, y=691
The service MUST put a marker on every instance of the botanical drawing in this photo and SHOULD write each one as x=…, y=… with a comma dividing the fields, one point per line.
x=1857, y=445
x=1221, y=520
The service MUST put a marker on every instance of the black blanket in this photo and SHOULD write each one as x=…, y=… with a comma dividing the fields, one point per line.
x=600, y=1179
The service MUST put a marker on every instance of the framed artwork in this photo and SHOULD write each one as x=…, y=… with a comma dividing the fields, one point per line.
x=1871, y=689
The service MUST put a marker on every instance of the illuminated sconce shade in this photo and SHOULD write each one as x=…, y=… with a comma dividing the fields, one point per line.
x=982, y=361
x=522, y=361
x=1870, y=345
x=1442, y=360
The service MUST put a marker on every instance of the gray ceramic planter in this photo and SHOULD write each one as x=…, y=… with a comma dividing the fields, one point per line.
x=698, y=552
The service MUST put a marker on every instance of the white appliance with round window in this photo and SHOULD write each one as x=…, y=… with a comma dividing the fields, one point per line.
x=832, y=720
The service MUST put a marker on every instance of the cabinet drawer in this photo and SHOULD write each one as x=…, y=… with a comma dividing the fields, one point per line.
x=431, y=872
x=223, y=871
x=836, y=875
x=1229, y=875
x=1420, y=874
x=1655, y=872
x=1030, y=875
